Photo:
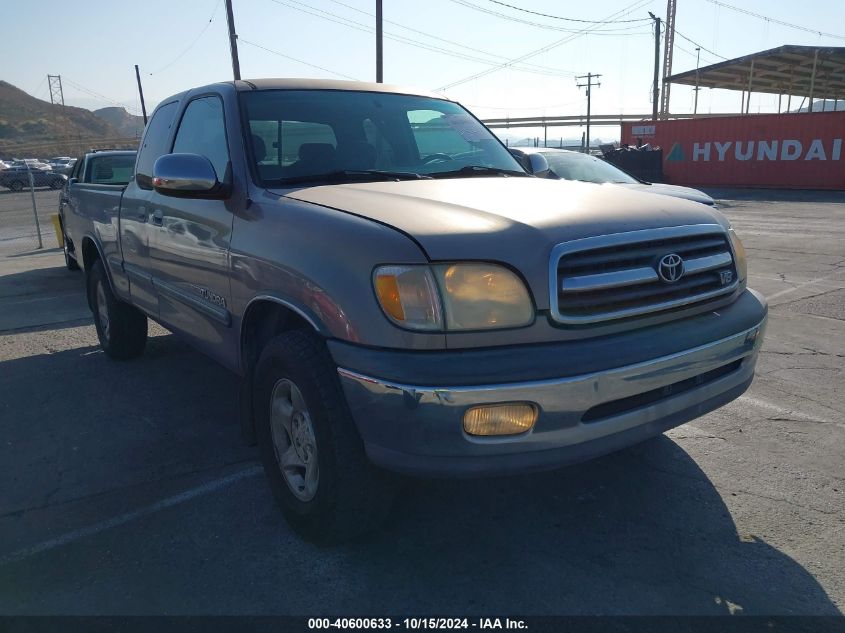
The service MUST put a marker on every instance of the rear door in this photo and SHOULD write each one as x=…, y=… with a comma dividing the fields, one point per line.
x=137, y=212
x=190, y=248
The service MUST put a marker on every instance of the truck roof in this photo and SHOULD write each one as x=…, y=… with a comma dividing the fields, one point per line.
x=245, y=85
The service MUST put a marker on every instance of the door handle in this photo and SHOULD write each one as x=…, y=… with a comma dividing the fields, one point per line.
x=158, y=218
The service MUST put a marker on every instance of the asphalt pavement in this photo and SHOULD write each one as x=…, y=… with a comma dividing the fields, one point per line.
x=127, y=488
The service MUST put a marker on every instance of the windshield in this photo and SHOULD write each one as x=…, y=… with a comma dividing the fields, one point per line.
x=575, y=166
x=297, y=134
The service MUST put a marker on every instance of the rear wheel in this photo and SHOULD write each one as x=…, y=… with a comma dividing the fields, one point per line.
x=70, y=262
x=121, y=328
x=313, y=457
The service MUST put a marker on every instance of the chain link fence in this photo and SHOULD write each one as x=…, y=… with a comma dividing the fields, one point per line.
x=26, y=219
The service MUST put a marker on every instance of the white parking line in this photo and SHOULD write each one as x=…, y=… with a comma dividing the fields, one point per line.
x=802, y=285
x=96, y=528
x=788, y=413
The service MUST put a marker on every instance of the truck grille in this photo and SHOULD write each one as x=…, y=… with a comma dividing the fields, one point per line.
x=628, y=274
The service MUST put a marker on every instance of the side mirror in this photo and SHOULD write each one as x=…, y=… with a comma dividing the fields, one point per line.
x=539, y=166
x=187, y=176
x=72, y=181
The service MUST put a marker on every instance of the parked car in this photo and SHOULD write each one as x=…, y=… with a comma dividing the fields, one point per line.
x=4, y=165
x=36, y=163
x=569, y=165
x=17, y=178
x=397, y=293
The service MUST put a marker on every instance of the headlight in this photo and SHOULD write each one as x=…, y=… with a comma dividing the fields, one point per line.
x=469, y=296
x=739, y=253
x=481, y=296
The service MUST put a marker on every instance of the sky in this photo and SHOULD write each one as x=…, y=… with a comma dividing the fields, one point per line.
x=180, y=44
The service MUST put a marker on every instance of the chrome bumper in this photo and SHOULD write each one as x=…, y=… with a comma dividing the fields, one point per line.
x=419, y=429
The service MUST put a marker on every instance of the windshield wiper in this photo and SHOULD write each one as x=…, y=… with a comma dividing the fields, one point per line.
x=478, y=170
x=341, y=175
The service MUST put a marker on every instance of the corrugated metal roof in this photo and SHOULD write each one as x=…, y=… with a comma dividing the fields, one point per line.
x=787, y=69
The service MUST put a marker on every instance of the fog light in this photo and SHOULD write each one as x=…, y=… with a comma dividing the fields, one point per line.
x=500, y=419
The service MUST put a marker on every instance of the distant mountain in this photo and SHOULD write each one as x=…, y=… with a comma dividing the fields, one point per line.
x=30, y=127
x=828, y=105
x=127, y=124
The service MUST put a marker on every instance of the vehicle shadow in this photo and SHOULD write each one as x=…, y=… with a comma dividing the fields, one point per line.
x=643, y=531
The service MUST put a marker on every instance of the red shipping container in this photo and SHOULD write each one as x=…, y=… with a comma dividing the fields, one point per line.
x=803, y=151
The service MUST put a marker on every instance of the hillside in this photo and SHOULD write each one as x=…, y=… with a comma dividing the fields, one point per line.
x=129, y=125
x=32, y=127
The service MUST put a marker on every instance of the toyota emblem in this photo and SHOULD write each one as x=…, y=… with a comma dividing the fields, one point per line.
x=670, y=268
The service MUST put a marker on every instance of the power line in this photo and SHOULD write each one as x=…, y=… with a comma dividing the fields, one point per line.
x=192, y=44
x=557, y=71
x=558, y=17
x=775, y=21
x=632, y=7
x=722, y=57
x=294, y=59
x=332, y=17
x=96, y=94
x=510, y=18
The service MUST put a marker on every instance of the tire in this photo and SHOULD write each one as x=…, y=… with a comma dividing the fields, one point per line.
x=16, y=185
x=57, y=183
x=121, y=328
x=70, y=262
x=348, y=496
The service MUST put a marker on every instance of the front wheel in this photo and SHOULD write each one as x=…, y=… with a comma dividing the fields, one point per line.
x=121, y=328
x=313, y=457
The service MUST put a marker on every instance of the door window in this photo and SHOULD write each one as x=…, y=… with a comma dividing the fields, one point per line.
x=203, y=131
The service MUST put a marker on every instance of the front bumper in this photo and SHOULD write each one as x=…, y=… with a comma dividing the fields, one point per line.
x=419, y=430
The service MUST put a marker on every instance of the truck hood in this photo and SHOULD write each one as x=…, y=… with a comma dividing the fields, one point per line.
x=512, y=220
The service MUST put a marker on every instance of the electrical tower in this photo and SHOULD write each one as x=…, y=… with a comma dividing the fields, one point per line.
x=589, y=85
x=57, y=96
x=668, y=50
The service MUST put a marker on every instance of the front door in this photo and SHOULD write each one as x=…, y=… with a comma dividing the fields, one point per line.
x=191, y=238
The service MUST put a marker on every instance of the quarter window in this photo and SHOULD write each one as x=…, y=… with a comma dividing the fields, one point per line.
x=154, y=144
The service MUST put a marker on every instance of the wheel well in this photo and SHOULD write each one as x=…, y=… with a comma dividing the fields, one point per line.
x=262, y=321
x=90, y=254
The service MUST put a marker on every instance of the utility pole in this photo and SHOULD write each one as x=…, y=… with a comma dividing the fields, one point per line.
x=589, y=85
x=379, y=45
x=668, y=53
x=655, y=97
x=233, y=40
x=697, y=88
x=141, y=94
